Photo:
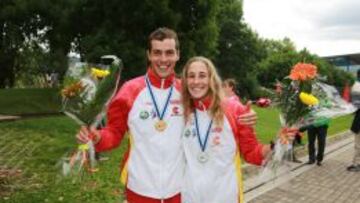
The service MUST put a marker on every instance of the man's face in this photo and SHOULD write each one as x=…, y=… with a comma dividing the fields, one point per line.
x=163, y=57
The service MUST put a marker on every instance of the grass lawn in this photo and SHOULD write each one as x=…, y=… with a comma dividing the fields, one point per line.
x=29, y=101
x=31, y=151
x=268, y=124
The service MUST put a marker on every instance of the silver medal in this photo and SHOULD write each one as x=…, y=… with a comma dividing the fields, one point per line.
x=203, y=157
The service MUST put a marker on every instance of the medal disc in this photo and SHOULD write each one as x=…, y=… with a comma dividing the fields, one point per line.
x=160, y=125
x=203, y=157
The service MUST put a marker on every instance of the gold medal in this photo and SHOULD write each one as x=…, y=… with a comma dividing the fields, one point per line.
x=160, y=125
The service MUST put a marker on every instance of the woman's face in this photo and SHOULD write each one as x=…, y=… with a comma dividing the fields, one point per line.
x=198, y=80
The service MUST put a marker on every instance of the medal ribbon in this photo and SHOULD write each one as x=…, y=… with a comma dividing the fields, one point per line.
x=202, y=145
x=160, y=116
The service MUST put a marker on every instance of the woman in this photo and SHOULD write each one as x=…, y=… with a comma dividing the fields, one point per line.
x=213, y=140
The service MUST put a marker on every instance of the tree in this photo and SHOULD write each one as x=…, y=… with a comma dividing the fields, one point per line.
x=281, y=56
x=46, y=22
x=120, y=28
x=239, y=47
x=30, y=66
x=55, y=20
x=198, y=29
x=11, y=38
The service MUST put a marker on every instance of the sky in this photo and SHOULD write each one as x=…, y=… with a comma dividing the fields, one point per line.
x=324, y=27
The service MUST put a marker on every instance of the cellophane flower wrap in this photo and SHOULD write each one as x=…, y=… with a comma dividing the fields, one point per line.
x=86, y=96
x=330, y=105
x=294, y=100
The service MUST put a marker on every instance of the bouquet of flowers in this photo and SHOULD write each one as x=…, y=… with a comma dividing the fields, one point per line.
x=85, y=99
x=295, y=100
x=301, y=99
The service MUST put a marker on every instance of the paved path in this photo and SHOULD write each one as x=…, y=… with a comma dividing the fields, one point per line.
x=329, y=183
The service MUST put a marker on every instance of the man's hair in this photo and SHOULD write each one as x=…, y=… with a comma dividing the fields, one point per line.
x=231, y=82
x=161, y=34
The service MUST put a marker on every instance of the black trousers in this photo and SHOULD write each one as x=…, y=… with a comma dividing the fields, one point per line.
x=318, y=133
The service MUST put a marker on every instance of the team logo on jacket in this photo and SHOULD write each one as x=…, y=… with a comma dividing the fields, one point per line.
x=175, y=111
x=144, y=115
x=216, y=140
x=217, y=130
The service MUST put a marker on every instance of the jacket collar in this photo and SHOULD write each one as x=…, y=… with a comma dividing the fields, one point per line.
x=203, y=104
x=158, y=82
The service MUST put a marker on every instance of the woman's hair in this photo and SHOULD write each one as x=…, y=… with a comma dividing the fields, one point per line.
x=215, y=91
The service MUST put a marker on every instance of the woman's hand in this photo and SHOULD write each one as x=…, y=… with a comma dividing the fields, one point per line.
x=287, y=134
x=85, y=135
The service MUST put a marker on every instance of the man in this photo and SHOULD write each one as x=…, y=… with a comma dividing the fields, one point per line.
x=355, y=127
x=149, y=109
x=317, y=131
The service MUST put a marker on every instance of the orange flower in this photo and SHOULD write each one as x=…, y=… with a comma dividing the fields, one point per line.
x=72, y=90
x=303, y=71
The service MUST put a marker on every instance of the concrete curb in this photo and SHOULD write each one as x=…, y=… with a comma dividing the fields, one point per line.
x=8, y=118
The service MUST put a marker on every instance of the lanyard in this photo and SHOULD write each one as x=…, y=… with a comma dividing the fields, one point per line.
x=148, y=85
x=202, y=144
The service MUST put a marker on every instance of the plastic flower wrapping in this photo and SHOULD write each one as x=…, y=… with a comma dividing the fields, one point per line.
x=301, y=99
x=85, y=98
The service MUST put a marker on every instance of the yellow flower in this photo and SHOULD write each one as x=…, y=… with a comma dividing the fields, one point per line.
x=83, y=147
x=99, y=73
x=308, y=99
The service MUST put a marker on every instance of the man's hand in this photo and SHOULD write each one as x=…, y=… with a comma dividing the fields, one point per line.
x=249, y=118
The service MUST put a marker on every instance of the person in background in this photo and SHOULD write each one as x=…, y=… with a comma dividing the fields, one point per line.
x=355, y=126
x=317, y=131
x=213, y=140
x=229, y=88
